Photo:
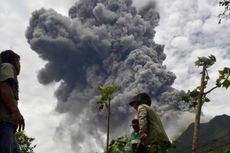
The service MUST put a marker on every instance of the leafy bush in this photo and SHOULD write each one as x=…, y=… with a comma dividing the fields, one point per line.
x=120, y=145
x=25, y=142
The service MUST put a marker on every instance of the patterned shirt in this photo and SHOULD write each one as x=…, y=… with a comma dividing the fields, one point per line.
x=150, y=124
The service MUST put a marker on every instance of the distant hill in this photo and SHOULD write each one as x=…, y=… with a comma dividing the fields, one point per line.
x=213, y=135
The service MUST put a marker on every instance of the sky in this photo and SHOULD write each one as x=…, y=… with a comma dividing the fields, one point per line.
x=188, y=29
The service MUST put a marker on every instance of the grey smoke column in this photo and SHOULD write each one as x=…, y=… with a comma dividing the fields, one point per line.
x=101, y=42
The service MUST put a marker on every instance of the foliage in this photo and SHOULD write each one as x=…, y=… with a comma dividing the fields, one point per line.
x=123, y=145
x=106, y=95
x=120, y=145
x=225, y=149
x=165, y=147
x=225, y=14
x=198, y=96
x=25, y=142
x=223, y=81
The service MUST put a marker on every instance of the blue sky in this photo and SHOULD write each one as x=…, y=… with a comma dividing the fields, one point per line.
x=188, y=29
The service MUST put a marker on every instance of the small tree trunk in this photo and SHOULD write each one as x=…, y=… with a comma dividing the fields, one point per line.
x=108, y=127
x=196, y=132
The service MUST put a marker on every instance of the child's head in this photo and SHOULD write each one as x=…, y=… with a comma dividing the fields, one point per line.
x=135, y=125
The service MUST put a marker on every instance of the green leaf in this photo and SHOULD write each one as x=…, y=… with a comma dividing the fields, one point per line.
x=198, y=88
x=206, y=99
x=212, y=58
x=218, y=82
x=221, y=72
x=25, y=142
x=205, y=83
x=226, y=84
x=106, y=94
x=193, y=105
x=206, y=61
x=185, y=98
x=222, y=77
x=226, y=3
x=194, y=93
x=226, y=70
x=101, y=107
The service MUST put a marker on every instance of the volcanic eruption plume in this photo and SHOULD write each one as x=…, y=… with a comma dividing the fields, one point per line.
x=102, y=42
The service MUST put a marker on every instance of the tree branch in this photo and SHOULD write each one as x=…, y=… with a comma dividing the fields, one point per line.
x=216, y=86
x=210, y=90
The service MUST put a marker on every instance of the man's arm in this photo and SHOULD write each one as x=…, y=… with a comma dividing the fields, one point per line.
x=142, y=117
x=6, y=94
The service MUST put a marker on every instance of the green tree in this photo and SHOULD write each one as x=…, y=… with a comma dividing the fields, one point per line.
x=226, y=13
x=197, y=97
x=25, y=142
x=104, y=102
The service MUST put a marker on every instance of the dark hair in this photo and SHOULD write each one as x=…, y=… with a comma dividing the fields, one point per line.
x=135, y=121
x=8, y=56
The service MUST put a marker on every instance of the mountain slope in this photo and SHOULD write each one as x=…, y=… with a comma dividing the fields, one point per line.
x=214, y=134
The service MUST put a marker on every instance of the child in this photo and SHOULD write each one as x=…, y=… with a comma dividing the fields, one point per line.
x=137, y=146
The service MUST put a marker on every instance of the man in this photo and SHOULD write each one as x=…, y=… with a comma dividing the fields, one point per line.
x=137, y=146
x=11, y=120
x=152, y=133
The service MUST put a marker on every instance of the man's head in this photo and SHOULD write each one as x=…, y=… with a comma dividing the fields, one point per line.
x=9, y=56
x=139, y=99
x=135, y=125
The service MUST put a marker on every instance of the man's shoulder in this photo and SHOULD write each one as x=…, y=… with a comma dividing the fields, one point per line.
x=6, y=66
x=143, y=106
x=6, y=71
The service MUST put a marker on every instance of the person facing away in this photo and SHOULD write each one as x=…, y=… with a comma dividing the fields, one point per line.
x=137, y=146
x=11, y=120
x=152, y=133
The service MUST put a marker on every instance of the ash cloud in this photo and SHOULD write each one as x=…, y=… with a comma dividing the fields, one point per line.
x=101, y=42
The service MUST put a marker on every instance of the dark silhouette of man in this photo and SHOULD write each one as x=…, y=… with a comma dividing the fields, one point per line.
x=11, y=120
